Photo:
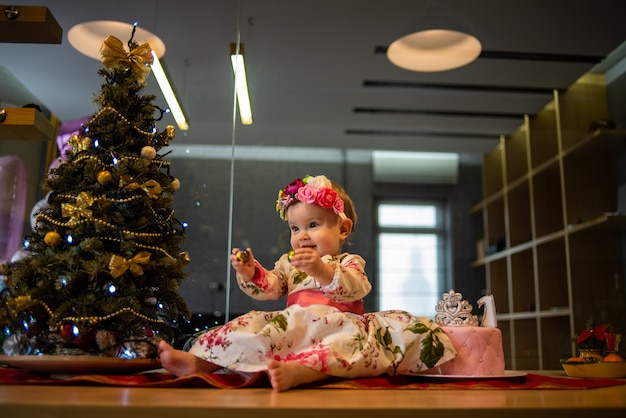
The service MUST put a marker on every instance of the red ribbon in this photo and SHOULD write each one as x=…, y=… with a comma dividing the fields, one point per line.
x=597, y=332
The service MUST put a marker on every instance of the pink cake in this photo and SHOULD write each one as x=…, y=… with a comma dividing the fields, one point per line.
x=479, y=351
x=479, y=348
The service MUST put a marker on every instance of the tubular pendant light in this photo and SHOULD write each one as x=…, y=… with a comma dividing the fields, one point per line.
x=168, y=93
x=87, y=37
x=434, y=42
x=241, y=83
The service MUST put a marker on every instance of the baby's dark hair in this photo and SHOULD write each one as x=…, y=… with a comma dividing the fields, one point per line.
x=348, y=205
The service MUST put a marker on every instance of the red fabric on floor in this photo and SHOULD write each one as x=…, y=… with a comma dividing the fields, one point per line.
x=14, y=376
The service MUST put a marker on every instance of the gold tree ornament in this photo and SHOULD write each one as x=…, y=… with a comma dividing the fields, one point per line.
x=175, y=184
x=104, y=177
x=52, y=238
x=20, y=303
x=80, y=209
x=115, y=56
x=185, y=257
x=74, y=142
x=148, y=152
x=170, y=133
x=79, y=144
x=118, y=264
x=151, y=187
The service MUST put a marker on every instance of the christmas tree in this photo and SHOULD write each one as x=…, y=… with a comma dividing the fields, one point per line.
x=104, y=263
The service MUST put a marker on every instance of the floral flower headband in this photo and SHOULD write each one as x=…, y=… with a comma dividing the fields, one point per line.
x=318, y=190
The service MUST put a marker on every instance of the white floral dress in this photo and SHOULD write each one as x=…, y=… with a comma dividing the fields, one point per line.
x=324, y=327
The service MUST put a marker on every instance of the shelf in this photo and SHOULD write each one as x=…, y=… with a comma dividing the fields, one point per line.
x=551, y=202
x=614, y=139
x=25, y=124
x=35, y=24
x=556, y=312
x=605, y=223
x=602, y=223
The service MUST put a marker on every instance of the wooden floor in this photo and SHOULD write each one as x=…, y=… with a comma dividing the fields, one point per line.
x=120, y=402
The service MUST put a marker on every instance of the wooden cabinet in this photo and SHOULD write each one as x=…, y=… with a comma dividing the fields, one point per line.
x=553, y=231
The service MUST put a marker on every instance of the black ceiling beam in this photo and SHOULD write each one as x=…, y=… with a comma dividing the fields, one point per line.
x=381, y=132
x=466, y=87
x=525, y=56
x=539, y=56
x=455, y=113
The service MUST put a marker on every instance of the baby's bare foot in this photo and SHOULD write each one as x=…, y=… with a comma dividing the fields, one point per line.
x=182, y=363
x=284, y=376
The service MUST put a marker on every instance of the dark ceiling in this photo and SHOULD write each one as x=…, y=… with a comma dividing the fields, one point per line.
x=318, y=74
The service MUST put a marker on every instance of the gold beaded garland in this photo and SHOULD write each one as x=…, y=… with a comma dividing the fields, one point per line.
x=72, y=223
x=112, y=110
x=95, y=319
x=146, y=247
x=161, y=163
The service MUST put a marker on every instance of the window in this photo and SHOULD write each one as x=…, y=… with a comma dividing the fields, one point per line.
x=411, y=256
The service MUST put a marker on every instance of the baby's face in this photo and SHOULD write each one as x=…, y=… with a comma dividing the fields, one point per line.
x=315, y=227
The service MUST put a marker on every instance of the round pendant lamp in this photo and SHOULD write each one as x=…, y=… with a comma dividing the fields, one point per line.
x=87, y=37
x=435, y=42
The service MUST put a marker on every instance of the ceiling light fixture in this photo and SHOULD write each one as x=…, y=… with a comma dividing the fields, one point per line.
x=87, y=38
x=435, y=42
x=241, y=83
x=168, y=93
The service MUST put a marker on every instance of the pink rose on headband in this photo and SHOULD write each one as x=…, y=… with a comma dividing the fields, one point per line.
x=326, y=197
x=306, y=194
x=292, y=188
x=338, y=205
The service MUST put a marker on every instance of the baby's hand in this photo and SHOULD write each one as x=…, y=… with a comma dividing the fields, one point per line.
x=309, y=261
x=243, y=262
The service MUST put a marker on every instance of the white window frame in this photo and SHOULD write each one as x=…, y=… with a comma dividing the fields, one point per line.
x=405, y=296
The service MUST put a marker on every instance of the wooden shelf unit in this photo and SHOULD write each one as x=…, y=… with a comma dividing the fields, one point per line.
x=25, y=124
x=553, y=235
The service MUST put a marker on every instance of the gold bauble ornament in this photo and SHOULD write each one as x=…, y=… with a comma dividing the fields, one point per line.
x=52, y=238
x=175, y=184
x=148, y=152
x=170, y=133
x=104, y=177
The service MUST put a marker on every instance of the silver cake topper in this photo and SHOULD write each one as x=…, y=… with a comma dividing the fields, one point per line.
x=452, y=310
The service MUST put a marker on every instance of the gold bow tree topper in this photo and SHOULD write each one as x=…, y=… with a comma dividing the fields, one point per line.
x=114, y=56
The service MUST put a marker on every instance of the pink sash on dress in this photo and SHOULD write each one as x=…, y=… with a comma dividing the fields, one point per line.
x=309, y=297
